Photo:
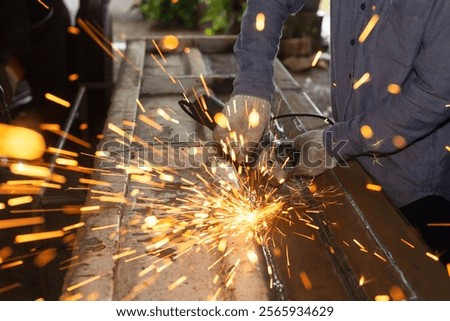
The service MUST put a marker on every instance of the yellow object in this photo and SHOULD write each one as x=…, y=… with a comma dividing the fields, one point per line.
x=21, y=143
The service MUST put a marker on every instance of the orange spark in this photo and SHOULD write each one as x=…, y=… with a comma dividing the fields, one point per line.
x=104, y=227
x=173, y=285
x=170, y=42
x=394, y=89
x=65, y=161
x=364, y=79
x=382, y=297
x=21, y=143
x=20, y=200
x=80, y=284
x=253, y=118
x=205, y=86
x=57, y=100
x=73, y=30
x=71, y=137
x=10, y=287
x=18, y=222
x=150, y=122
x=93, y=182
x=123, y=254
x=399, y=141
x=11, y=265
x=23, y=238
x=305, y=280
x=83, y=126
x=397, y=293
x=407, y=243
x=380, y=257
x=374, y=187
x=252, y=256
x=73, y=226
x=91, y=32
x=140, y=105
x=316, y=58
x=366, y=131
x=369, y=27
x=43, y=4
x=432, y=256
x=260, y=21
x=45, y=257
x=54, y=150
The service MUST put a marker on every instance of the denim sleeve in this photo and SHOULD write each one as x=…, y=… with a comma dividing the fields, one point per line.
x=422, y=106
x=256, y=50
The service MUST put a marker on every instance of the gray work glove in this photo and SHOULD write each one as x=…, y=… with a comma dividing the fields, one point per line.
x=241, y=125
x=314, y=158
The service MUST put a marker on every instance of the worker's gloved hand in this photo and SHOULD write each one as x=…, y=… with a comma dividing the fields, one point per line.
x=241, y=125
x=314, y=158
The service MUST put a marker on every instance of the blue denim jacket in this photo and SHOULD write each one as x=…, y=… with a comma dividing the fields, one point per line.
x=397, y=121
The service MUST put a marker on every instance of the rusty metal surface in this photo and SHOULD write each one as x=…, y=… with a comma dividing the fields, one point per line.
x=340, y=241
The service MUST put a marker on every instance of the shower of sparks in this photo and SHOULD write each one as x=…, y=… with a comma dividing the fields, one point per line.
x=208, y=214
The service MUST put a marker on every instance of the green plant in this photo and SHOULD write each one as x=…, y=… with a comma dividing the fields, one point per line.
x=166, y=13
x=222, y=16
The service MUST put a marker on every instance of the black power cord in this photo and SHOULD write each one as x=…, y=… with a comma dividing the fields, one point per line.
x=327, y=119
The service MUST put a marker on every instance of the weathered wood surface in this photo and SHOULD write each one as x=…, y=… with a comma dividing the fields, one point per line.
x=344, y=243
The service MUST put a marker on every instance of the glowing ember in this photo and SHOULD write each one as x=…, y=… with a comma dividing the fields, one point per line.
x=18, y=222
x=253, y=118
x=382, y=297
x=57, y=100
x=394, y=89
x=369, y=27
x=43, y=4
x=260, y=21
x=38, y=236
x=432, y=256
x=21, y=143
x=399, y=141
x=305, y=280
x=252, y=257
x=170, y=42
x=222, y=121
x=374, y=187
x=20, y=200
x=364, y=79
x=366, y=132
x=75, y=31
x=45, y=257
x=316, y=58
